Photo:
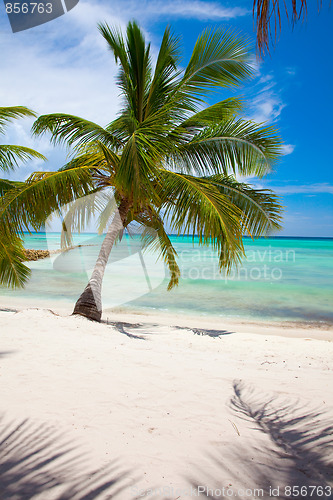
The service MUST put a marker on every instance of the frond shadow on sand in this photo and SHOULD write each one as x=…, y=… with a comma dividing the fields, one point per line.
x=215, y=334
x=296, y=449
x=125, y=328
x=38, y=461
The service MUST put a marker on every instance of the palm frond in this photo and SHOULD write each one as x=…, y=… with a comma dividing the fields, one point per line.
x=165, y=74
x=73, y=130
x=88, y=157
x=214, y=115
x=194, y=206
x=10, y=113
x=11, y=155
x=13, y=272
x=151, y=220
x=28, y=205
x=115, y=40
x=233, y=146
x=135, y=72
x=261, y=208
x=264, y=12
x=6, y=185
x=220, y=58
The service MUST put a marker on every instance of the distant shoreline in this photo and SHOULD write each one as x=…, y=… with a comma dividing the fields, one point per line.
x=190, y=237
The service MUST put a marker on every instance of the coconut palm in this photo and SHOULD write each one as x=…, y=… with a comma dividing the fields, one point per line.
x=167, y=156
x=12, y=271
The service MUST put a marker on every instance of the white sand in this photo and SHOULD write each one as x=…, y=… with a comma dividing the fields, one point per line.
x=162, y=411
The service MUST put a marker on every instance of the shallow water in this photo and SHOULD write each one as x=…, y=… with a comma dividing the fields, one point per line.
x=280, y=279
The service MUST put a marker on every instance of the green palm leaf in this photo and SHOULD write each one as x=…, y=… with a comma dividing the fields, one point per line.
x=213, y=115
x=13, y=272
x=10, y=156
x=219, y=59
x=194, y=206
x=29, y=204
x=6, y=185
x=232, y=146
x=165, y=75
x=151, y=220
x=10, y=113
x=73, y=130
x=134, y=57
x=261, y=209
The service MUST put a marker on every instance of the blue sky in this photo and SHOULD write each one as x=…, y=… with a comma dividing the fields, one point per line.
x=64, y=66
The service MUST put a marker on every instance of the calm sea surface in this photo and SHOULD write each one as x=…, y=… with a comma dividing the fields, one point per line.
x=280, y=279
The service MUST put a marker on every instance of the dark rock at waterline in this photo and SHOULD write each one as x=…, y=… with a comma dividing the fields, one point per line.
x=31, y=254
x=35, y=254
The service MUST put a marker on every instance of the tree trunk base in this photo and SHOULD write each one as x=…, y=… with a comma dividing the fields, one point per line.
x=86, y=306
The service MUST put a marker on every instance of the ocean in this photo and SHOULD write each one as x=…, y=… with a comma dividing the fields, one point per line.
x=281, y=279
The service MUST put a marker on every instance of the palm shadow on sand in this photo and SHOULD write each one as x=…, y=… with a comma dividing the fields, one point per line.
x=4, y=354
x=37, y=460
x=124, y=328
x=298, y=449
x=215, y=334
x=128, y=329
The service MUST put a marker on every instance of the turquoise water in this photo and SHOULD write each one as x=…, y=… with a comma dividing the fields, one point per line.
x=280, y=279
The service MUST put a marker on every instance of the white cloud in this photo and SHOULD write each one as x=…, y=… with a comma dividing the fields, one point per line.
x=289, y=189
x=287, y=149
x=318, y=188
x=265, y=102
x=265, y=79
x=291, y=71
x=65, y=66
x=196, y=9
x=62, y=66
x=266, y=107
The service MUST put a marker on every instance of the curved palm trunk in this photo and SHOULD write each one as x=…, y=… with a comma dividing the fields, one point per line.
x=89, y=303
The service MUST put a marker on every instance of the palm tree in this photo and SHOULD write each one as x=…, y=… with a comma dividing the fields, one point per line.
x=167, y=157
x=12, y=271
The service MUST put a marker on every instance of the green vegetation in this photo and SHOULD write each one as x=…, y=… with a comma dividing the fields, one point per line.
x=166, y=156
x=12, y=271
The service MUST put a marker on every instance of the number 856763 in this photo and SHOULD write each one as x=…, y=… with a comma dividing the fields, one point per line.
x=28, y=8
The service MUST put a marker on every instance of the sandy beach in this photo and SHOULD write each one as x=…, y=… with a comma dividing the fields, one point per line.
x=156, y=407
x=165, y=172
